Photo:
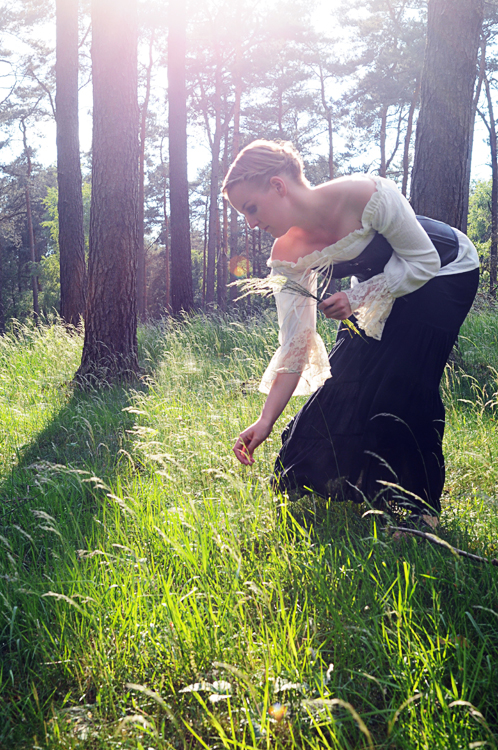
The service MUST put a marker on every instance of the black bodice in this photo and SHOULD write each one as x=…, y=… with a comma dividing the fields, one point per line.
x=378, y=251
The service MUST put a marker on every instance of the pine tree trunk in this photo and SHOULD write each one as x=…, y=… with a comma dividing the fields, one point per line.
x=70, y=200
x=223, y=254
x=165, y=234
x=493, y=252
x=110, y=348
x=141, y=275
x=475, y=102
x=382, y=141
x=234, y=216
x=408, y=138
x=29, y=219
x=214, y=191
x=182, y=296
x=440, y=182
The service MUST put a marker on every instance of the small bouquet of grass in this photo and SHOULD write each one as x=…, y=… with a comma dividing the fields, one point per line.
x=274, y=284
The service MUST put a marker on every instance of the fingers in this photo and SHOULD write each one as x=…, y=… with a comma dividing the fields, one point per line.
x=336, y=307
x=249, y=439
x=243, y=452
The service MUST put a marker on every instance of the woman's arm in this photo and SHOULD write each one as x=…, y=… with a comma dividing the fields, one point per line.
x=415, y=260
x=281, y=390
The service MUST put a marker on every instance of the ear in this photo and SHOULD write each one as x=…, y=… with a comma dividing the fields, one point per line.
x=278, y=184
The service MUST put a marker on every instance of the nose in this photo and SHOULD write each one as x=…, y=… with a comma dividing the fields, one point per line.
x=251, y=222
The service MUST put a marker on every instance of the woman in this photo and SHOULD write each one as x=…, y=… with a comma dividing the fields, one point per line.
x=373, y=427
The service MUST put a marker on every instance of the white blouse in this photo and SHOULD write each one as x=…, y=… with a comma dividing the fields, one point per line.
x=413, y=262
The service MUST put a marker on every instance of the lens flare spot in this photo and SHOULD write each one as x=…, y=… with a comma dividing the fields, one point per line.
x=277, y=711
x=238, y=266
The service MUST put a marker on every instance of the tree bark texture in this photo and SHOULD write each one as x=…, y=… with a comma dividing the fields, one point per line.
x=141, y=260
x=234, y=216
x=439, y=181
x=493, y=250
x=408, y=139
x=110, y=349
x=182, y=296
x=475, y=102
x=214, y=188
x=29, y=220
x=70, y=200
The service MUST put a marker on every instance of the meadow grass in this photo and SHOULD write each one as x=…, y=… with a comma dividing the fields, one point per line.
x=155, y=594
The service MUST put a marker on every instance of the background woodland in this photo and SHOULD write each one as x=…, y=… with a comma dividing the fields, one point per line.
x=341, y=82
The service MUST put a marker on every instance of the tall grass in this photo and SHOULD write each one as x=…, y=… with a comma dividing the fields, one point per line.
x=154, y=594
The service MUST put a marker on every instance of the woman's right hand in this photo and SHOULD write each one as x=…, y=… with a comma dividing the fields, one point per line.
x=249, y=439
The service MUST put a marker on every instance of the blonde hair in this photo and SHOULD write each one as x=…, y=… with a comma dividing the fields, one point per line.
x=260, y=161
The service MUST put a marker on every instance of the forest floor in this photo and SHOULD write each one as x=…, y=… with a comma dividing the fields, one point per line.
x=154, y=593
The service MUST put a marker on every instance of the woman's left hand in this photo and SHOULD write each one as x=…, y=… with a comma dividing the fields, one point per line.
x=336, y=307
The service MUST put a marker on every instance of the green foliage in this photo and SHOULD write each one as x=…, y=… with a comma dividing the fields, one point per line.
x=155, y=595
x=52, y=223
x=17, y=268
x=479, y=225
x=479, y=218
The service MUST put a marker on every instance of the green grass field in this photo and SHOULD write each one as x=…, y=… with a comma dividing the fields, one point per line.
x=154, y=594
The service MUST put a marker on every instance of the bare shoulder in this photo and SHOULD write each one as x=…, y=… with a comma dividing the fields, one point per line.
x=294, y=245
x=355, y=190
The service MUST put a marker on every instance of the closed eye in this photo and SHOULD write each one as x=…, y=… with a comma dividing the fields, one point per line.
x=251, y=210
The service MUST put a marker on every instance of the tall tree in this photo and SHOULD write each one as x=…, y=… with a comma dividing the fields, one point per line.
x=439, y=180
x=388, y=47
x=70, y=200
x=110, y=348
x=141, y=261
x=182, y=297
x=29, y=219
x=493, y=250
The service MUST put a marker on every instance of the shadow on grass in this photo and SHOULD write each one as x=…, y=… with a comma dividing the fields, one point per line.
x=50, y=507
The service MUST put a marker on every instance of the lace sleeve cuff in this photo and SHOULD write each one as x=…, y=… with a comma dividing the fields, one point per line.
x=305, y=353
x=371, y=301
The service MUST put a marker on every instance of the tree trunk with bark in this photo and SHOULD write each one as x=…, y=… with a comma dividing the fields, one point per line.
x=222, y=264
x=141, y=275
x=408, y=139
x=234, y=216
x=29, y=219
x=110, y=348
x=475, y=102
x=70, y=200
x=440, y=181
x=493, y=251
x=382, y=141
x=182, y=296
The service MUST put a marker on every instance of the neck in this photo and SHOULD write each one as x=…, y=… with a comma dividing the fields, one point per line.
x=312, y=209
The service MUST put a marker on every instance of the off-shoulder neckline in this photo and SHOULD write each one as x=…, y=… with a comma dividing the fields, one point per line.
x=311, y=258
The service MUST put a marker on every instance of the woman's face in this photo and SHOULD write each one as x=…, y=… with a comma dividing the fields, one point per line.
x=267, y=209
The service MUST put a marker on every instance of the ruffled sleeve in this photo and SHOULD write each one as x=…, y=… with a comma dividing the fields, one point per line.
x=413, y=263
x=371, y=301
x=301, y=349
x=415, y=259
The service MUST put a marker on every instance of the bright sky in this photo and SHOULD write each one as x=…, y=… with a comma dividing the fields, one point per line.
x=198, y=151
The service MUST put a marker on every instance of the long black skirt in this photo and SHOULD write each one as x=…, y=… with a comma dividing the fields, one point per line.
x=374, y=430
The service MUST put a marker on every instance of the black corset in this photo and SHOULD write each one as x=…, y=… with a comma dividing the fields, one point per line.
x=378, y=251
